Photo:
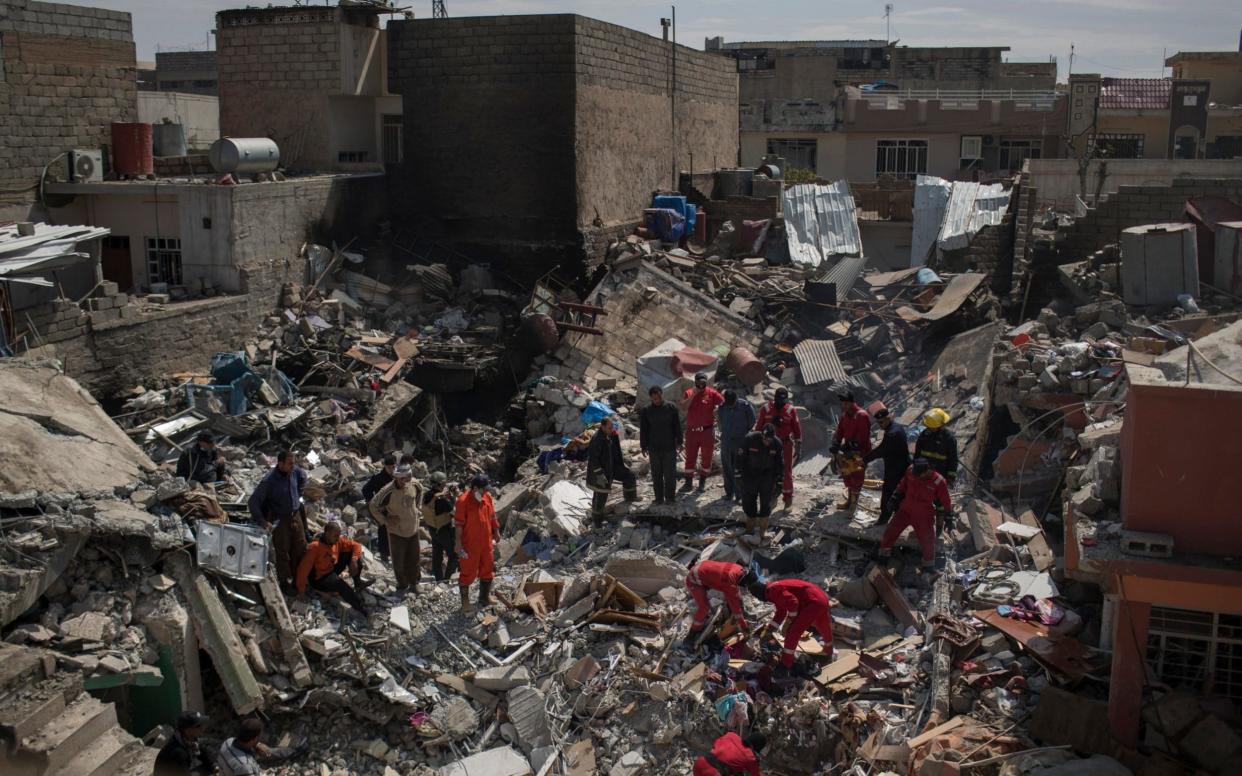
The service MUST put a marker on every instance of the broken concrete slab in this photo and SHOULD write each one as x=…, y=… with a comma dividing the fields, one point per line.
x=24, y=587
x=502, y=761
x=631, y=764
x=646, y=573
x=501, y=678
x=286, y=631
x=529, y=718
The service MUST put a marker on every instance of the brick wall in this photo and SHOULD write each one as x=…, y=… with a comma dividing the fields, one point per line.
x=68, y=73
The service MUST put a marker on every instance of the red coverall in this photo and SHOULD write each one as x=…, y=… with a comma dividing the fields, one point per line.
x=918, y=509
x=700, y=429
x=855, y=426
x=475, y=521
x=733, y=754
x=789, y=431
x=810, y=604
x=714, y=575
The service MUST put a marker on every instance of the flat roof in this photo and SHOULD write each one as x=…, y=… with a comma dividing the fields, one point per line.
x=185, y=183
x=1184, y=56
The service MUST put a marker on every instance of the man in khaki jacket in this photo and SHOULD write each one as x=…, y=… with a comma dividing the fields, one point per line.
x=397, y=508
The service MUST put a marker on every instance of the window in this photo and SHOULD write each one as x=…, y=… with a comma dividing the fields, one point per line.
x=972, y=147
x=1116, y=145
x=204, y=84
x=1013, y=153
x=900, y=158
x=164, y=260
x=1225, y=147
x=1190, y=100
x=798, y=152
x=1197, y=651
x=347, y=157
x=392, y=139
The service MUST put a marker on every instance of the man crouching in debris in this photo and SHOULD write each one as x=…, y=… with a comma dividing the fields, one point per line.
x=478, y=530
x=724, y=578
x=758, y=464
x=397, y=507
x=918, y=496
x=201, y=462
x=605, y=465
x=276, y=506
x=438, y=505
x=732, y=754
x=326, y=559
x=808, y=605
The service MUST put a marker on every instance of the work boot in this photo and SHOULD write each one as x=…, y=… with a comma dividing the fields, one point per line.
x=845, y=503
x=688, y=485
x=485, y=593
x=702, y=483
x=788, y=500
x=853, y=502
x=630, y=494
x=466, y=606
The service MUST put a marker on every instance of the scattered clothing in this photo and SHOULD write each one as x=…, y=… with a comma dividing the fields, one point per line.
x=729, y=756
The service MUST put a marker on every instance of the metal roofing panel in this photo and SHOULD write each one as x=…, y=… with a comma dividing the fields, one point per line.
x=818, y=361
x=50, y=247
x=821, y=221
x=971, y=207
x=931, y=196
x=844, y=274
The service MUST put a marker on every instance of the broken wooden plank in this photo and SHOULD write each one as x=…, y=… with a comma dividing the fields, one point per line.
x=892, y=597
x=286, y=631
x=935, y=732
x=847, y=662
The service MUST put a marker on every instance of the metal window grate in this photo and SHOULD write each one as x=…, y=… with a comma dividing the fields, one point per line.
x=164, y=260
x=798, y=152
x=1196, y=651
x=900, y=158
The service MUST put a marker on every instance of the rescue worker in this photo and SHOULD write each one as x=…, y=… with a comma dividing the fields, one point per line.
x=737, y=418
x=700, y=403
x=937, y=444
x=238, y=755
x=807, y=603
x=894, y=452
x=732, y=755
x=724, y=578
x=784, y=419
x=182, y=755
x=850, y=445
x=659, y=437
x=438, y=505
x=397, y=506
x=326, y=559
x=373, y=485
x=201, y=462
x=276, y=506
x=758, y=464
x=606, y=464
x=478, y=530
x=922, y=493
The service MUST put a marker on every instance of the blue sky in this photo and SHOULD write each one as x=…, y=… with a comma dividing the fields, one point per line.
x=1115, y=37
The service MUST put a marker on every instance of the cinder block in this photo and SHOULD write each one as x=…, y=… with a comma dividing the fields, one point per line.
x=107, y=288
x=1146, y=544
x=98, y=305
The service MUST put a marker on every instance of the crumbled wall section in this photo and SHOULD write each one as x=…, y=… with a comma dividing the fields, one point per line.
x=68, y=72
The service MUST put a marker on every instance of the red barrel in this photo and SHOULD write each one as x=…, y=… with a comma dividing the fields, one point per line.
x=743, y=365
x=131, y=150
x=700, y=227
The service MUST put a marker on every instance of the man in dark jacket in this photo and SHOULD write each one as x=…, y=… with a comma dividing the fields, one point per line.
x=201, y=462
x=659, y=436
x=182, y=755
x=759, y=463
x=439, y=503
x=605, y=464
x=737, y=418
x=276, y=506
x=937, y=444
x=374, y=485
x=894, y=451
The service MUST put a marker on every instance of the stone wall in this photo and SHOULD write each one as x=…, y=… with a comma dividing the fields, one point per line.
x=67, y=73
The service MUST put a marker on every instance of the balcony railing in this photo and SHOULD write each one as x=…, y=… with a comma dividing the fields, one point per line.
x=961, y=99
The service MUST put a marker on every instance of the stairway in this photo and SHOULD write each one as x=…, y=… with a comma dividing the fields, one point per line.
x=50, y=727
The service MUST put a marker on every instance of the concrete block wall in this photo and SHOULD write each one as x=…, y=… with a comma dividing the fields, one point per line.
x=68, y=73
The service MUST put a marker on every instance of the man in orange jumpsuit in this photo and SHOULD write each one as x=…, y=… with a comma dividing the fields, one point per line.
x=325, y=559
x=731, y=754
x=809, y=606
x=920, y=494
x=477, y=532
x=700, y=403
x=725, y=578
x=850, y=443
x=784, y=418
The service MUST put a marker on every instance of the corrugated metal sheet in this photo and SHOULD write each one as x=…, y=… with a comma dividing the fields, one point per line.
x=818, y=361
x=50, y=247
x=971, y=207
x=954, y=296
x=844, y=274
x=821, y=221
x=931, y=195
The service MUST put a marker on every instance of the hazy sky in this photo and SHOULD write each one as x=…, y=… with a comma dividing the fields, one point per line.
x=1114, y=37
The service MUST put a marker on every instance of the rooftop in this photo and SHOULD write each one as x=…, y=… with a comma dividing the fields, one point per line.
x=1135, y=93
x=1186, y=56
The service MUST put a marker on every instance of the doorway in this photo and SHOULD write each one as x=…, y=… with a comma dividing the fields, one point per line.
x=115, y=260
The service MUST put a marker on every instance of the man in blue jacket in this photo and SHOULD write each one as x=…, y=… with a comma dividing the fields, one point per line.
x=737, y=418
x=276, y=506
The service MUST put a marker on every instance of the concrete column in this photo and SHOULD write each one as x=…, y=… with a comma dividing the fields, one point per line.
x=1108, y=618
x=170, y=625
x=1125, y=692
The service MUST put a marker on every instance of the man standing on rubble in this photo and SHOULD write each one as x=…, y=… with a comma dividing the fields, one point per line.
x=732, y=755
x=782, y=416
x=659, y=437
x=398, y=507
x=373, y=486
x=807, y=603
x=606, y=464
x=894, y=451
x=478, y=530
x=276, y=506
x=737, y=418
x=724, y=578
x=326, y=559
x=922, y=498
x=937, y=444
x=850, y=445
x=700, y=403
x=438, y=506
x=201, y=462
x=758, y=464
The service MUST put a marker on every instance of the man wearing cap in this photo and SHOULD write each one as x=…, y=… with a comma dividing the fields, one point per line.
x=758, y=464
x=732, y=755
x=373, y=485
x=182, y=754
x=920, y=494
x=737, y=418
x=606, y=464
x=894, y=452
x=326, y=559
x=937, y=444
x=659, y=437
x=397, y=507
x=201, y=462
x=276, y=506
x=724, y=578
x=438, y=505
x=700, y=403
x=782, y=416
x=478, y=530
x=850, y=445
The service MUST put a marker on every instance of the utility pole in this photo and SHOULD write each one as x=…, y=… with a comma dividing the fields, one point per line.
x=888, y=17
x=1071, y=64
x=438, y=11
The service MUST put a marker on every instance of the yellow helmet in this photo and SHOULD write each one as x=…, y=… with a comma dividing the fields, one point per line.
x=935, y=418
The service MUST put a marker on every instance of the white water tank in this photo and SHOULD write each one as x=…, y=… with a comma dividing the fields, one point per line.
x=244, y=155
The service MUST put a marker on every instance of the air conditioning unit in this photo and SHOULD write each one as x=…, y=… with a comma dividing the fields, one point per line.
x=86, y=165
x=972, y=147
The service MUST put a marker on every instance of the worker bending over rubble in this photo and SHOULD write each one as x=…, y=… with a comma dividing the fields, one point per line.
x=276, y=506
x=373, y=486
x=806, y=603
x=732, y=755
x=438, y=507
x=850, y=445
x=724, y=578
x=894, y=452
x=659, y=437
x=606, y=464
x=937, y=444
x=784, y=419
x=183, y=754
x=201, y=462
x=398, y=507
x=737, y=418
x=758, y=464
x=922, y=493
x=700, y=403
x=477, y=532
x=326, y=559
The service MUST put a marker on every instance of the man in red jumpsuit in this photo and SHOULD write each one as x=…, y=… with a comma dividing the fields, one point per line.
x=850, y=443
x=725, y=578
x=700, y=403
x=782, y=415
x=809, y=606
x=477, y=532
x=731, y=754
x=918, y=496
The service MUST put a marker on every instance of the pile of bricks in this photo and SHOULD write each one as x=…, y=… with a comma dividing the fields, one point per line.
x=110, y=304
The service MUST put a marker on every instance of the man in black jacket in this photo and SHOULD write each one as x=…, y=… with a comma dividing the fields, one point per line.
x=182, y=754
x=374, y=485
x=759, y=462
x=202, y=463
x=894, y=451
x=937, y=444
x=438, y=506
x=659, y=436
x=605, y=464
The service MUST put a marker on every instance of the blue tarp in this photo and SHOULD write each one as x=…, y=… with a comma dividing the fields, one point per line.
x=595, y=412
x=665, y=223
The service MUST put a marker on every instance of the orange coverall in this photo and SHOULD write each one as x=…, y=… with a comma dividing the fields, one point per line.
x=475, y=521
